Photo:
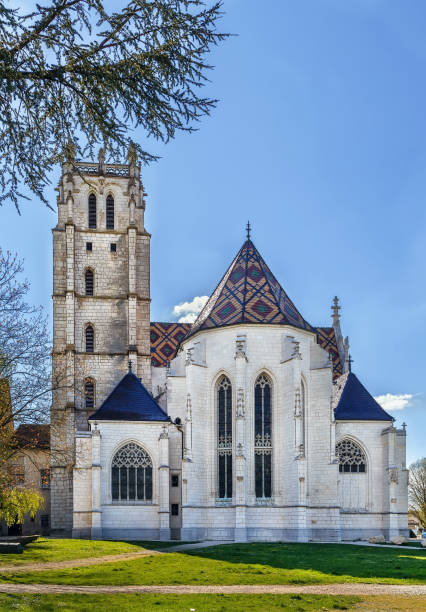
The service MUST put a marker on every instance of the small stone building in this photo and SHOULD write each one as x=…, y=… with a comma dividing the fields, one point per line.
x=248, y=424
x=30, y=469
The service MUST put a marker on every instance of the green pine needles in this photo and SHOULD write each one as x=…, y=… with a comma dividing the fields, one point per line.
x=75, y=70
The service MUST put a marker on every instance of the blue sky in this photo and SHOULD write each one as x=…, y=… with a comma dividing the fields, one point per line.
x=320, y=140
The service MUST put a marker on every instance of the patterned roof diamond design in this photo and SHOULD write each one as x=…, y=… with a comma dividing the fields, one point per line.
x=355, y=403
x=165, y=339
x=327, y=340
x=130, y=401
x=249, y=293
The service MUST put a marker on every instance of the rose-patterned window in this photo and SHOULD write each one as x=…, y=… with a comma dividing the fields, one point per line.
x=131, y=477
x=351, y=457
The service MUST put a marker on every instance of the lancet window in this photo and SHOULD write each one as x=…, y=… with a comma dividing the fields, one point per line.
x=351, y=457
x=89, y=393
x=89, y=278
x=131, y=474
x=90, y=339
x=92, y=211
x=302, y=414
x=224, y=438
x=263, y=437
x=110, y=212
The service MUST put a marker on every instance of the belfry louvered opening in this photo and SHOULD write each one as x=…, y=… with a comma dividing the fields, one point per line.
x=110, y=212
x=89, y=393
x=90, y=339
x=92, y=211
x=89, y=278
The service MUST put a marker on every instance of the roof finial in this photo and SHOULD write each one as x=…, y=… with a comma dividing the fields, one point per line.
x=350, y=362
x=248, y=228
x=130, y=365
x=335, y=309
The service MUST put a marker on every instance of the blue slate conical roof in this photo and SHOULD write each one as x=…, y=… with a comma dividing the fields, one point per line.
x=130, y=401
x=356, y=403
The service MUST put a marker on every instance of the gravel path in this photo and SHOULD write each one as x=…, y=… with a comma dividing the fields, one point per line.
x=275, y=589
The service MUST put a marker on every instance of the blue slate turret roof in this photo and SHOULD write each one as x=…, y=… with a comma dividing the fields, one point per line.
x=130, y=401
x=355, y=402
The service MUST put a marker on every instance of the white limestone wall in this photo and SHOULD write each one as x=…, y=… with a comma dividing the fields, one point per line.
x=129, y=519
x=300, y=505
x=379, y=498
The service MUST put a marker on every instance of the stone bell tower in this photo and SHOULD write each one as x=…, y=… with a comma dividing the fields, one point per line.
x=101, y=303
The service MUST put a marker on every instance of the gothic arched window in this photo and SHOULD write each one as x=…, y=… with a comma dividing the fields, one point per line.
x=263, y=438
x=224, y=438
x=351, y=457
x=89, y=279
x=110, y=212
x=89, y=393
x=131, y=474
x=92, y=211
x=90, y=339
x=302, y=413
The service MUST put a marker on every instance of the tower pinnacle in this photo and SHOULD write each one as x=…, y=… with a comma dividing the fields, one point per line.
x=335, y=309
x=248, y=228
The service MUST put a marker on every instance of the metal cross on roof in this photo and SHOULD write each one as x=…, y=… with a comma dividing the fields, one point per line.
x=130, y=365
x=350, y=362
x=248, y=228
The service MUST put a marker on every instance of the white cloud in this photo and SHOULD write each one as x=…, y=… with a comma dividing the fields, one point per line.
x=394, y=402
x=189, y=311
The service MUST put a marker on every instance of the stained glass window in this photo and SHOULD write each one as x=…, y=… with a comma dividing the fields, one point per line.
x=131, y=474
x=351, y=457
x=224, y=438
x=263, y=438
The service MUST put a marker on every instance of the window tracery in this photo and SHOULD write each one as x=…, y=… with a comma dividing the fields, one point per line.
x=263, y=438
x=131, y=474
x=224, y=438
x=351, y=456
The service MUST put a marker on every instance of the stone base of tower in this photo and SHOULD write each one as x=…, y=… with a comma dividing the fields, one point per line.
x=61, y=499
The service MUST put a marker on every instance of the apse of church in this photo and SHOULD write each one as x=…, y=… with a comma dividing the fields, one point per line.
x=247, y=425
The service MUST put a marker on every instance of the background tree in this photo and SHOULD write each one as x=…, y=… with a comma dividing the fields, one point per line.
x=74, y=67
x=25, y=383
x=417, y=490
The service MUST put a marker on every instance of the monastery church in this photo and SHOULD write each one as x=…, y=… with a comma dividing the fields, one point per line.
x=246, y=425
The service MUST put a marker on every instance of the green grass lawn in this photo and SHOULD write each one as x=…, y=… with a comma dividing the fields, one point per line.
x=262, y=563
x=172, y=603
x=46, y=549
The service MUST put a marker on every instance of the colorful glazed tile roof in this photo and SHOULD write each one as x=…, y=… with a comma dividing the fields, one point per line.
x=249, y=293
x=327, y=340
x=165, y=339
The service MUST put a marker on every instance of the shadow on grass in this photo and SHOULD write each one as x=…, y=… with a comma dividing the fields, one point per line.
x=332, y=559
